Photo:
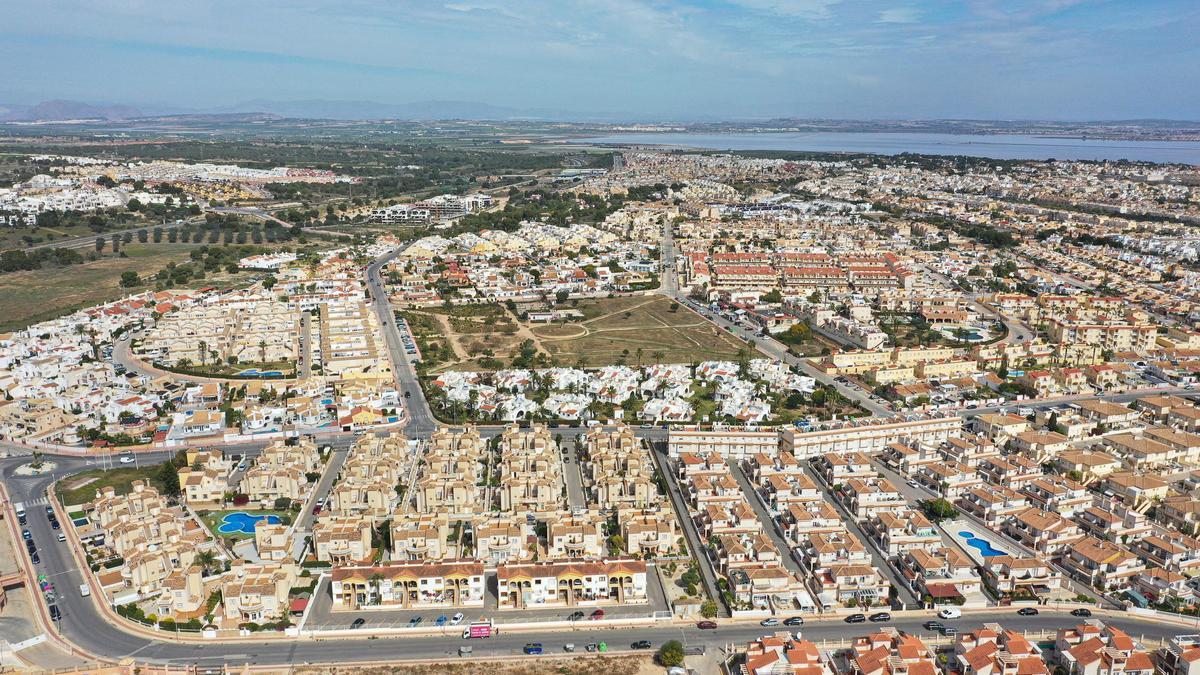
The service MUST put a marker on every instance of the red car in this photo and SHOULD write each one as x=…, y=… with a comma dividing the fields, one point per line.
x=598, y=614
x=316, y=510
x=706, y=625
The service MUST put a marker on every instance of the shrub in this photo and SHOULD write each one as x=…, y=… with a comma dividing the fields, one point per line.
x=671, y=653
x=241, y=499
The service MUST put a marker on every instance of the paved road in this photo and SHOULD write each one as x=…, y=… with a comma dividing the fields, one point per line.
x=770, y=526
x=420, y=419
x=696, y=545
x=879, y=559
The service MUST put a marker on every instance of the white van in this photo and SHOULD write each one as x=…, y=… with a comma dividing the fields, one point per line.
x=84, y=591
x=949, y=613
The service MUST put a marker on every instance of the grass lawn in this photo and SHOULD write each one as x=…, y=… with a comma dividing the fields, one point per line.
x=40, y=295
x=213, y=520
x=82, y=488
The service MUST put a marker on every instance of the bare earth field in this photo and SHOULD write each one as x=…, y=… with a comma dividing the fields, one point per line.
x=615, y=329
x=629, y=330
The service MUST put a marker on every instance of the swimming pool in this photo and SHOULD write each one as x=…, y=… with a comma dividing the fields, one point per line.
x=255, y=372
x=984, y=546
x=240, y=521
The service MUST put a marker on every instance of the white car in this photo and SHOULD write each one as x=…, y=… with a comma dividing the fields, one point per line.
x=949, y=613
x=456, y=619
x=126, y=459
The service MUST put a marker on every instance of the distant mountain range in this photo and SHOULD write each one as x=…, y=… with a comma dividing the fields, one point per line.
x=61, y=110
x=327, y=109
x=53, y=111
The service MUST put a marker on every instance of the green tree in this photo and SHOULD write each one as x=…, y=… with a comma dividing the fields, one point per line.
x=939, y=509
x=671, y=653
x=168, y=475
x=708, y=609
x=129, y=279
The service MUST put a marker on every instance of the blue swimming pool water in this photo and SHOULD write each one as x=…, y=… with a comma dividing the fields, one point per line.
x=255, y=372
x=243, y=522
x=982, y=545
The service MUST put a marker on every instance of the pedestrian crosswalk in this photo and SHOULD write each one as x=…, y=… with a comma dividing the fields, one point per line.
x=37, y=501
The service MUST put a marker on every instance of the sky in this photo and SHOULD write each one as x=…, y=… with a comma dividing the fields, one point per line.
x=640, y=59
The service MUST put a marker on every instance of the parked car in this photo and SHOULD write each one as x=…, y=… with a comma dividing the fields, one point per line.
x=37, y=559
x=856, y=618
x=55, y=614
x=949, y=613
x=1027, y=611
x=126, y=459
x=598, y=614
x=533, y=648
x=358, y=623
x=767, y=623
x=26, y=535
x=794, y=621
x=456, y=619
x=414, y=622
x=949, y=631
x=575, y=616
x=706, y=625
x=933, y=625
x=641, y=644
x=441, y=620
x=880, y=617
x=1082, y=611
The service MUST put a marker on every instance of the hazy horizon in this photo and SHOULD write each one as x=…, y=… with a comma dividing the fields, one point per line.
x=1037, y=60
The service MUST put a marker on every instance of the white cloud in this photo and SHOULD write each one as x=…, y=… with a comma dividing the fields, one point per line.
x=899, y=15
x=805, y=9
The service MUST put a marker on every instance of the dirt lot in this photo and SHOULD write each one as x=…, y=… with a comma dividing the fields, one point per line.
x=632, y=330
x=636, y=330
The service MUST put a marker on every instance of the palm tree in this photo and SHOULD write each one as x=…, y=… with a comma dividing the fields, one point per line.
x=203, y=349
x=659, y=355
x=205, y=559
x=262, y=351
x=376, y=581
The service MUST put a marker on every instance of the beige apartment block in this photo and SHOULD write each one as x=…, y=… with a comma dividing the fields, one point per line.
x=530, y=471
x=280, y=472
x=273, y=541
x=420, y=537
x=149, y=567
x=575, y=535
x=256, y=593
x=343, y=540
x=409, y=585
x=503, y=538
x=619, y=470
x=648, y=532
x=869, y=436
x=554, y=583
x=259, y=330
x=183, y=595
